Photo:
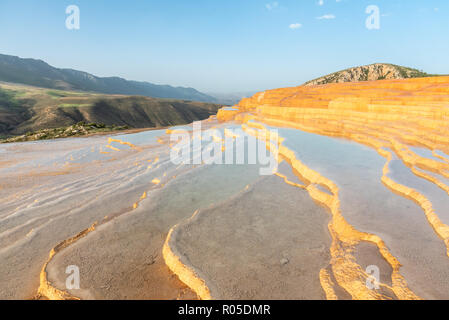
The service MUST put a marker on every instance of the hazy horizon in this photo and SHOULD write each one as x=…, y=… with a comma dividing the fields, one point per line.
x=228, y=47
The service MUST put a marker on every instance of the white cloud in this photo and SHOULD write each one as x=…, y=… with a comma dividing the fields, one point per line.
x=295, y=26
x=326, y=17
x=272, y=5
x=320, y=2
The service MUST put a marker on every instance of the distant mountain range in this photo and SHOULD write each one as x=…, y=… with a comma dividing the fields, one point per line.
x=372, y=72
x=39, y=73
x=231, y=98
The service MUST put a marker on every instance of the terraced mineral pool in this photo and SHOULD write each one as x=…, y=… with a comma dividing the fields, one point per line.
x=371, y=207
x=133, y=221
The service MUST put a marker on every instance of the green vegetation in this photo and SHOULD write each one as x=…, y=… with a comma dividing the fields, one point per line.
x=412, y=73
x=13, y=94
x=365, y=74
x=7, y=98
x=25, y=109
x=58, y=81
x=80, y=129
x=57, y=94
x=74, y=105
x=378, y=71
x=64, y=94
x=12, y=111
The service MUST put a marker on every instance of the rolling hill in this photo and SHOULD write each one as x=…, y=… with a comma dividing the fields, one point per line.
x=39, y=73
x=25, y=109
x=376, y=71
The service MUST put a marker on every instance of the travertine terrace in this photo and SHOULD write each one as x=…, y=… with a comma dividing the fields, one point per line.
x=404, y=121
x=362, y=181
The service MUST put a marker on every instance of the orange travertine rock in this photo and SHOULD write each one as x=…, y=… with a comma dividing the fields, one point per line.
x=413, y=111
x=389, y=116
x=226, y=114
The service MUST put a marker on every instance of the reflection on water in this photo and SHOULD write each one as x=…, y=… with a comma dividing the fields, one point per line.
x=437, y=196
x=141, y=138
x=247, y=227
x=425, y=153
x=371, y=207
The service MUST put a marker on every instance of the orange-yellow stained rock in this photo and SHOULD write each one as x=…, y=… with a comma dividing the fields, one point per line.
x=186, y=274
x=385, y=115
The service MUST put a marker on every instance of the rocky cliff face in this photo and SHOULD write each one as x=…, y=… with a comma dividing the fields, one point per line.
x=377, y=71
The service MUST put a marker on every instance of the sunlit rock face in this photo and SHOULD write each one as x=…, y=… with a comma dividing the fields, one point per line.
x=227, y=113
x=372, y=72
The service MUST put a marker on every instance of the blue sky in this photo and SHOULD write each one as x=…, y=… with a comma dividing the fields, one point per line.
x=226, y=46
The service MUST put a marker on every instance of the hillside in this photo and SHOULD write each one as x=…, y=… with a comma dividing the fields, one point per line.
x=376, y=71
x=25, y=109
x=39, y=73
